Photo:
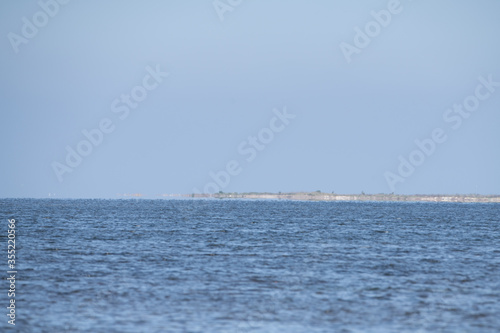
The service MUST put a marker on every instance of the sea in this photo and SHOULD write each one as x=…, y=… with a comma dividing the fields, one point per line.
x=224, y=265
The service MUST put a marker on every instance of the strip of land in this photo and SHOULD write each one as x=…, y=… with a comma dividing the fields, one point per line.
x=319, y=196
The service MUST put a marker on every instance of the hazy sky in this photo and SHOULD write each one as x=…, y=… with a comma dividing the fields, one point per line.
x=107, y=97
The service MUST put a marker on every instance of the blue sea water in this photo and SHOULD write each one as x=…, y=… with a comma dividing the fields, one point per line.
x=252, y=266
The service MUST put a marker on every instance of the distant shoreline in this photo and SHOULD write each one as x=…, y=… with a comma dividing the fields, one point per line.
x=319, y=196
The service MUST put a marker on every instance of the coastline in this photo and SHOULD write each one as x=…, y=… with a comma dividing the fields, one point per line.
x=319, y=196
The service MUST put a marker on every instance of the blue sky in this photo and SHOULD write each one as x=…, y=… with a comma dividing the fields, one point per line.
x=233, y=68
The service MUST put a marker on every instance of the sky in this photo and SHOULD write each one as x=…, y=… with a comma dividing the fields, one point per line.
x=103, y=98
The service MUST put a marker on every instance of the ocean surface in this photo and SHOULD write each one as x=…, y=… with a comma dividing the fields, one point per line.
x=252, y=266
